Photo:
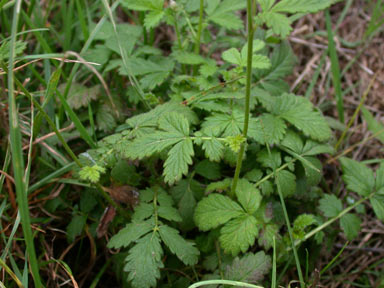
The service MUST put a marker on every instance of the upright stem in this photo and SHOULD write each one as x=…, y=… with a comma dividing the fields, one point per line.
x=247, y=97
x=199, y=29
x=17, y=156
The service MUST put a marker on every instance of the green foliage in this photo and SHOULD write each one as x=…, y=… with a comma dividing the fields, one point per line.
x=91, y=173
x=20, y=46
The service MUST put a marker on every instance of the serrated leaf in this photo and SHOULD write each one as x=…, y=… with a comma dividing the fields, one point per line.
x=298, y=111
x=260, y=62
x=267, y=129
x=380, y=177
x=183, y=249
x=312, y=148
x=373, y=125
x=266, y=4
x=143, y=211
x=279, y=23
x=132, y=232
x=153, y=18
x=215, y=210
x=174, y=122
x=287, y=182
x=5, y=48
x=80, y=96
x=313, y=170
x=250, y=268
x=301, y=6
x=330, y=205
x=143, y=262
x=248, y=196
x=232, y=56
x=223, y=13
x=350, y=223
x=213, y=148
x=179, y=157
x=377, y=202
x=238, y=234
x=293, y=141
x=223, y=124
x=358, y=177
x=169, y=213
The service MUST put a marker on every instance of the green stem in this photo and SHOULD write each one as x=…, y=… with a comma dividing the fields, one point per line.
x=17, y=155
x=199, y=30
x=288, y=223
x=178, y=35
x=247, y=97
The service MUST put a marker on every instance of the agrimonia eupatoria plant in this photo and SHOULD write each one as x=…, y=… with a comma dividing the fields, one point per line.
x=207, y=121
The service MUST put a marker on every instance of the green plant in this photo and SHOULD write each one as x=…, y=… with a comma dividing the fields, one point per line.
x=261, y=128
x=197, y=151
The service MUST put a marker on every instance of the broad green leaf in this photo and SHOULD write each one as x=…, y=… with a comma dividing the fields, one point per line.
x=279, y=23
x=293, y=142
x=75, y=227
x=169, y=213
x=330, y=205
x=312, y=148
x=377, y=202
x=301, y=6
x=358, y=177
x=183, y=249
x=224, y=124
x=188, y=58
x=149, y=144
x=256, y=46
x=298, y=111
x=143, y=262
x=260, y=62
x=248, y=196
x=267, y=129
x=174, y=122
x=186, y=194
x=216, y=210
x=373, y=125
x=350, y=223
x=232, y=56
x=287, y=182
x=250, y=268
x=223, y=13
x=132, y=232
x=153, y=18
x=143, y=211
x=214, y=149
x=179, y=157
x=266, y=4
x=380, y=177
x=143, y=5
x=238, y=234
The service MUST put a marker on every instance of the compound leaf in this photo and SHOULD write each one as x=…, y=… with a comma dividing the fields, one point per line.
x=248, y=196
x=238, y=234
x=183, y=249
x=358, y=177
x=130, y=234
x=215, y=210
x=143, y=262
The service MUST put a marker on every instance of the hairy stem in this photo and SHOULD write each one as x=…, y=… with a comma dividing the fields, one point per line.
x=247, y=97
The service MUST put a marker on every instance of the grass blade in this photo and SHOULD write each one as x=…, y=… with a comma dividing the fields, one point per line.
x=335, y=67
x=17, y=155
